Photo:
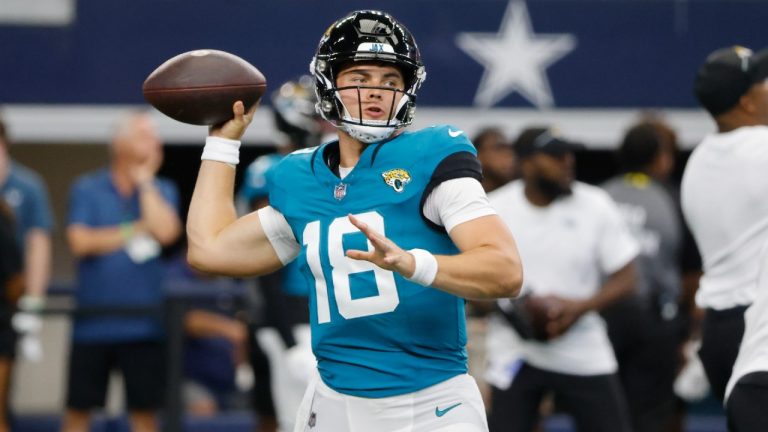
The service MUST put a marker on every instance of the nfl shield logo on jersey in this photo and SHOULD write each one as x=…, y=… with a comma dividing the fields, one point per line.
x=340, y=191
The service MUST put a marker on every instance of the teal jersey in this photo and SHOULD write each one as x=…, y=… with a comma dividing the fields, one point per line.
x=374, y=333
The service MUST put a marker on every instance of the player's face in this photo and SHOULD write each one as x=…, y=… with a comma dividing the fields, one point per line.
x=371, y=96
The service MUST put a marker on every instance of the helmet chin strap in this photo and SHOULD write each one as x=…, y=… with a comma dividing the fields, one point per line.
x=370, y=131
x=367, y=134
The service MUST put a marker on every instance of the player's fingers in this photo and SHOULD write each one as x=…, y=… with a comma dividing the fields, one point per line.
x=380, y=242
x=375, y=238
x=362, y=226
x=360, y=255
x=238, y=109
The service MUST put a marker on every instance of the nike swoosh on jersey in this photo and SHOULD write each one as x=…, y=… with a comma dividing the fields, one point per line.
x=440, y=413
x=454, y=133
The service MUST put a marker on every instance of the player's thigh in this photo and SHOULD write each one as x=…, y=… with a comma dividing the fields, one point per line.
x=143, y=365
x=746, y=407
x=326, y=410
x=454, y=404
x=321, y=410
x=89, y=366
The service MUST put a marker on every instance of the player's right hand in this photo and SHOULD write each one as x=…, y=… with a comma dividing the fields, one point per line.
x=235, y=128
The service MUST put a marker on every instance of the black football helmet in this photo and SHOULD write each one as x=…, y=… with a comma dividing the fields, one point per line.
x=293, y=105
x=367, y=35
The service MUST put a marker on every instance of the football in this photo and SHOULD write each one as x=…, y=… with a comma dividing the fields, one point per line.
x=199, y=87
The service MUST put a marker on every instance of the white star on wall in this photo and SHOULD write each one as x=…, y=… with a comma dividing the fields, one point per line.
x=515, y=59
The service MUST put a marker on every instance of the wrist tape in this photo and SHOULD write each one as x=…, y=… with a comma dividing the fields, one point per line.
x=425, y=270
x=221, y=150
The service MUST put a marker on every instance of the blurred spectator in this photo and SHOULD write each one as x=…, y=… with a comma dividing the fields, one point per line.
x=26, y=195
x=723, y=199
x=11, y=282
x=648, y=328
x=578, y=257
x=494, y=151
x=280, y=352
x=119, y=218
x=496, y=156
x=215, y=343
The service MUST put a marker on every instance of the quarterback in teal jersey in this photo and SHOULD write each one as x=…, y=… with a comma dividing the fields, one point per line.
x=391, y=230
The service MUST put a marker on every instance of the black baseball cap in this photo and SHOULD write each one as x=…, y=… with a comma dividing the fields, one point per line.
x=543, y=140
x=728, y=74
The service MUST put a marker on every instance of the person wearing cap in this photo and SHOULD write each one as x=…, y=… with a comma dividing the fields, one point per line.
x=724, y=202
x=578, y=258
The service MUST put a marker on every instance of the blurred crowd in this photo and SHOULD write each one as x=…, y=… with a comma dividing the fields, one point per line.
x=607, y=328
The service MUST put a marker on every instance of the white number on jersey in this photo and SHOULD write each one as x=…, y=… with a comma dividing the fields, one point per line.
x=385, y=301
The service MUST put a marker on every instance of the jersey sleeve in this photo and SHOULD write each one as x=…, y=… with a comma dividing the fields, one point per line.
x=279, y=233
x=456, y=201
x=456, y=159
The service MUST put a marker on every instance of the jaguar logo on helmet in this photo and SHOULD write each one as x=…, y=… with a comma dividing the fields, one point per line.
x=367, y=35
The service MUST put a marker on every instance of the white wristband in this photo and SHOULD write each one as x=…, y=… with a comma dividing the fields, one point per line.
x=221, y=150
x=425, y=269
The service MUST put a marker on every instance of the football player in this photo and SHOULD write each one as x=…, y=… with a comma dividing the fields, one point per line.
x=391, y=229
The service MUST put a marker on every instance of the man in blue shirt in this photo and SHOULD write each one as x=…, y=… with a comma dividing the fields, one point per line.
x=391, y=230
x=119, y=218
x=25, y=194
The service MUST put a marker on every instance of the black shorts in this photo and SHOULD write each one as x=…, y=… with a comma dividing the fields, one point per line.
x=746, y=404
x=142, y=365
x=596, y=402
x=721, y=334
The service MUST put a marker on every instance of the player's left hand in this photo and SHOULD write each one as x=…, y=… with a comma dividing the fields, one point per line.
x=385, y=254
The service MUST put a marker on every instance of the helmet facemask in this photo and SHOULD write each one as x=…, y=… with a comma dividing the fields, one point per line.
x=367, y=37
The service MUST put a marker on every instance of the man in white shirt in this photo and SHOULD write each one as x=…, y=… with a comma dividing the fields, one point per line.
x=578, y=257
x=724, y=201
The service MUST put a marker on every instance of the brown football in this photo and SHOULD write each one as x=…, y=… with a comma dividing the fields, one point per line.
x=199, y=87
